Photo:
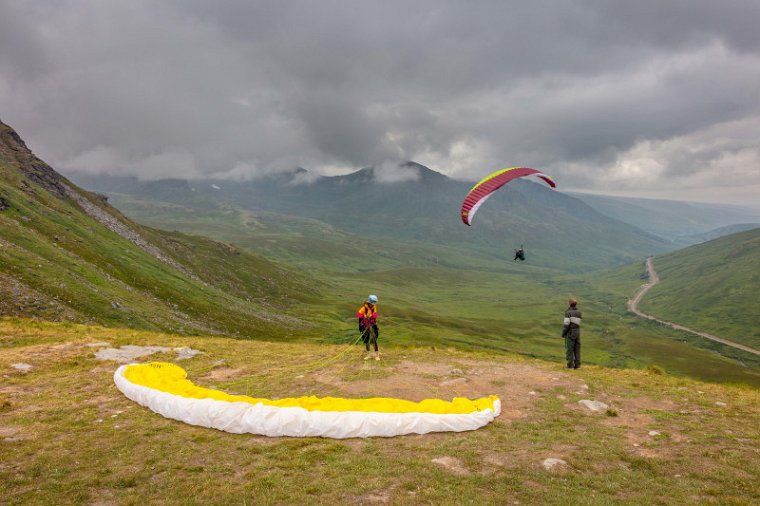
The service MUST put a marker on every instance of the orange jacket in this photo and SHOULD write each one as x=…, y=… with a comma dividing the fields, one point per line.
x=367, y=312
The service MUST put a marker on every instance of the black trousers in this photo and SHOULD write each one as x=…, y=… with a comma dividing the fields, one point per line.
x=573, y=351
x=369, y=336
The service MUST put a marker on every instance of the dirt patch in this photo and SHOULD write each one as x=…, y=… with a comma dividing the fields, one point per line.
x=649, y=453
x=376, y=497
x=452, y=465
x=498, y=459
x=645, y=436
x=631, y=416
x=12, y=391
x=518, y=386
x=103, y=497
x=9, y=434
x=223, y=374
x=8, y=431
x=41, y=354
x=103, y=369
x=103, y=403
x=642, y=403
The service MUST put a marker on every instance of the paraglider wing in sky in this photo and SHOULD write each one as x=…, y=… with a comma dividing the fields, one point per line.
x=485, y=188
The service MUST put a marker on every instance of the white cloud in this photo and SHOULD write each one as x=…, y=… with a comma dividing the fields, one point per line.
x=305, y=178
x=393, y=172
x=97, y=160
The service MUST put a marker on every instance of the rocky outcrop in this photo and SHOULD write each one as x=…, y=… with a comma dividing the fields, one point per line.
x=14, y=151
x=112, y=223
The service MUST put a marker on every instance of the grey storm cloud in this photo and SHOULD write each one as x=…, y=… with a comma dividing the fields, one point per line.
x=603, y=94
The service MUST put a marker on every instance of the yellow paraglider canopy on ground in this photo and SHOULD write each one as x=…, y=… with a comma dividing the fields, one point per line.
x=164, y=388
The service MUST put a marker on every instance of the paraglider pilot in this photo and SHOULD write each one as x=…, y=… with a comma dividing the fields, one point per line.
x=367, y=315
x=520, y=254
x=571, y=331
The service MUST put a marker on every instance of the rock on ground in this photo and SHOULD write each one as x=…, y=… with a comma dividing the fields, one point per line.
x=593, y=405
x=551, y=463
x=128, y=353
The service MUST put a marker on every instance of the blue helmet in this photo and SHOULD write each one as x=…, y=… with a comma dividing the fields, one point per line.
x=372, y=299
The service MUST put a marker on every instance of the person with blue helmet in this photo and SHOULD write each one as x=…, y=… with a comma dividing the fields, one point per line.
x=367, y=315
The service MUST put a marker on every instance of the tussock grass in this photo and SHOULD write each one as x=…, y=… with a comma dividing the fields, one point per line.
x=69, y=437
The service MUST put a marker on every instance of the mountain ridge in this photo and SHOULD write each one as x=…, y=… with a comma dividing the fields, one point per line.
x=414, y=203
x=681, y=222
x=67, y=254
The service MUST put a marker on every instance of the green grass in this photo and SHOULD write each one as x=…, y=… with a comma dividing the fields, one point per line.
x=499, y=313
x=434, y=296
x=712, y=287
x=57, y=262
x=309, y=244
x=295, y=278
x=69, y=437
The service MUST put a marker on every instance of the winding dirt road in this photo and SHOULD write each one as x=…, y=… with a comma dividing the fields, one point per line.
x=653, y=280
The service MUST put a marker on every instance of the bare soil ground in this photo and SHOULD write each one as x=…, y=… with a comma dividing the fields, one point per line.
x=686, y=439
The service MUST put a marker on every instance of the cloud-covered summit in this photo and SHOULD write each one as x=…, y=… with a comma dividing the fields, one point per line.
x=655, y=98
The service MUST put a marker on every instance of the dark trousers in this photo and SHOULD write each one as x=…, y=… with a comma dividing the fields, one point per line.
x=369, y=336
x=573, y=352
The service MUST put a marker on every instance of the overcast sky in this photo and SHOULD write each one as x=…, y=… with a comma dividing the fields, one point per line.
x=649, y=98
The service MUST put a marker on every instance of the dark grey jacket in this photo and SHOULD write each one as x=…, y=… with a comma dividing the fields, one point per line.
x=571, y=326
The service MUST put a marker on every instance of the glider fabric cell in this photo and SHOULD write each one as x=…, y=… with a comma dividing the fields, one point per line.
x=165, y=389
x=485, y=188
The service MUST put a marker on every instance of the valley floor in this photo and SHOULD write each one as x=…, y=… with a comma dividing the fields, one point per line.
x=68, y=436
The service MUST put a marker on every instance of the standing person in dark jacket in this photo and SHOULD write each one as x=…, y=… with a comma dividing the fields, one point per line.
x=367, y=315
x=571, y=331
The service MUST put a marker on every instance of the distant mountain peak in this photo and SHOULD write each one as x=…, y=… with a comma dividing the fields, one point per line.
x=392, y=172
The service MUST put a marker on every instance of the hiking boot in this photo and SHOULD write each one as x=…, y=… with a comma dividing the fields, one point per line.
x=377, y=355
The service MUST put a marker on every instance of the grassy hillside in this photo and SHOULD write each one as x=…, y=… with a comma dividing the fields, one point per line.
x=559, y=232
x=712, y=287
x=60, y=263
x=309, y=243
x=440, y=296
x=67, y=436
x=67, y=255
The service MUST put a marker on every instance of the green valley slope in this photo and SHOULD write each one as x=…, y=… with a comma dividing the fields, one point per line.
x=420, y=210
x=65, y=254
x=713, y=287
x=443, y=295
x=68, y=255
